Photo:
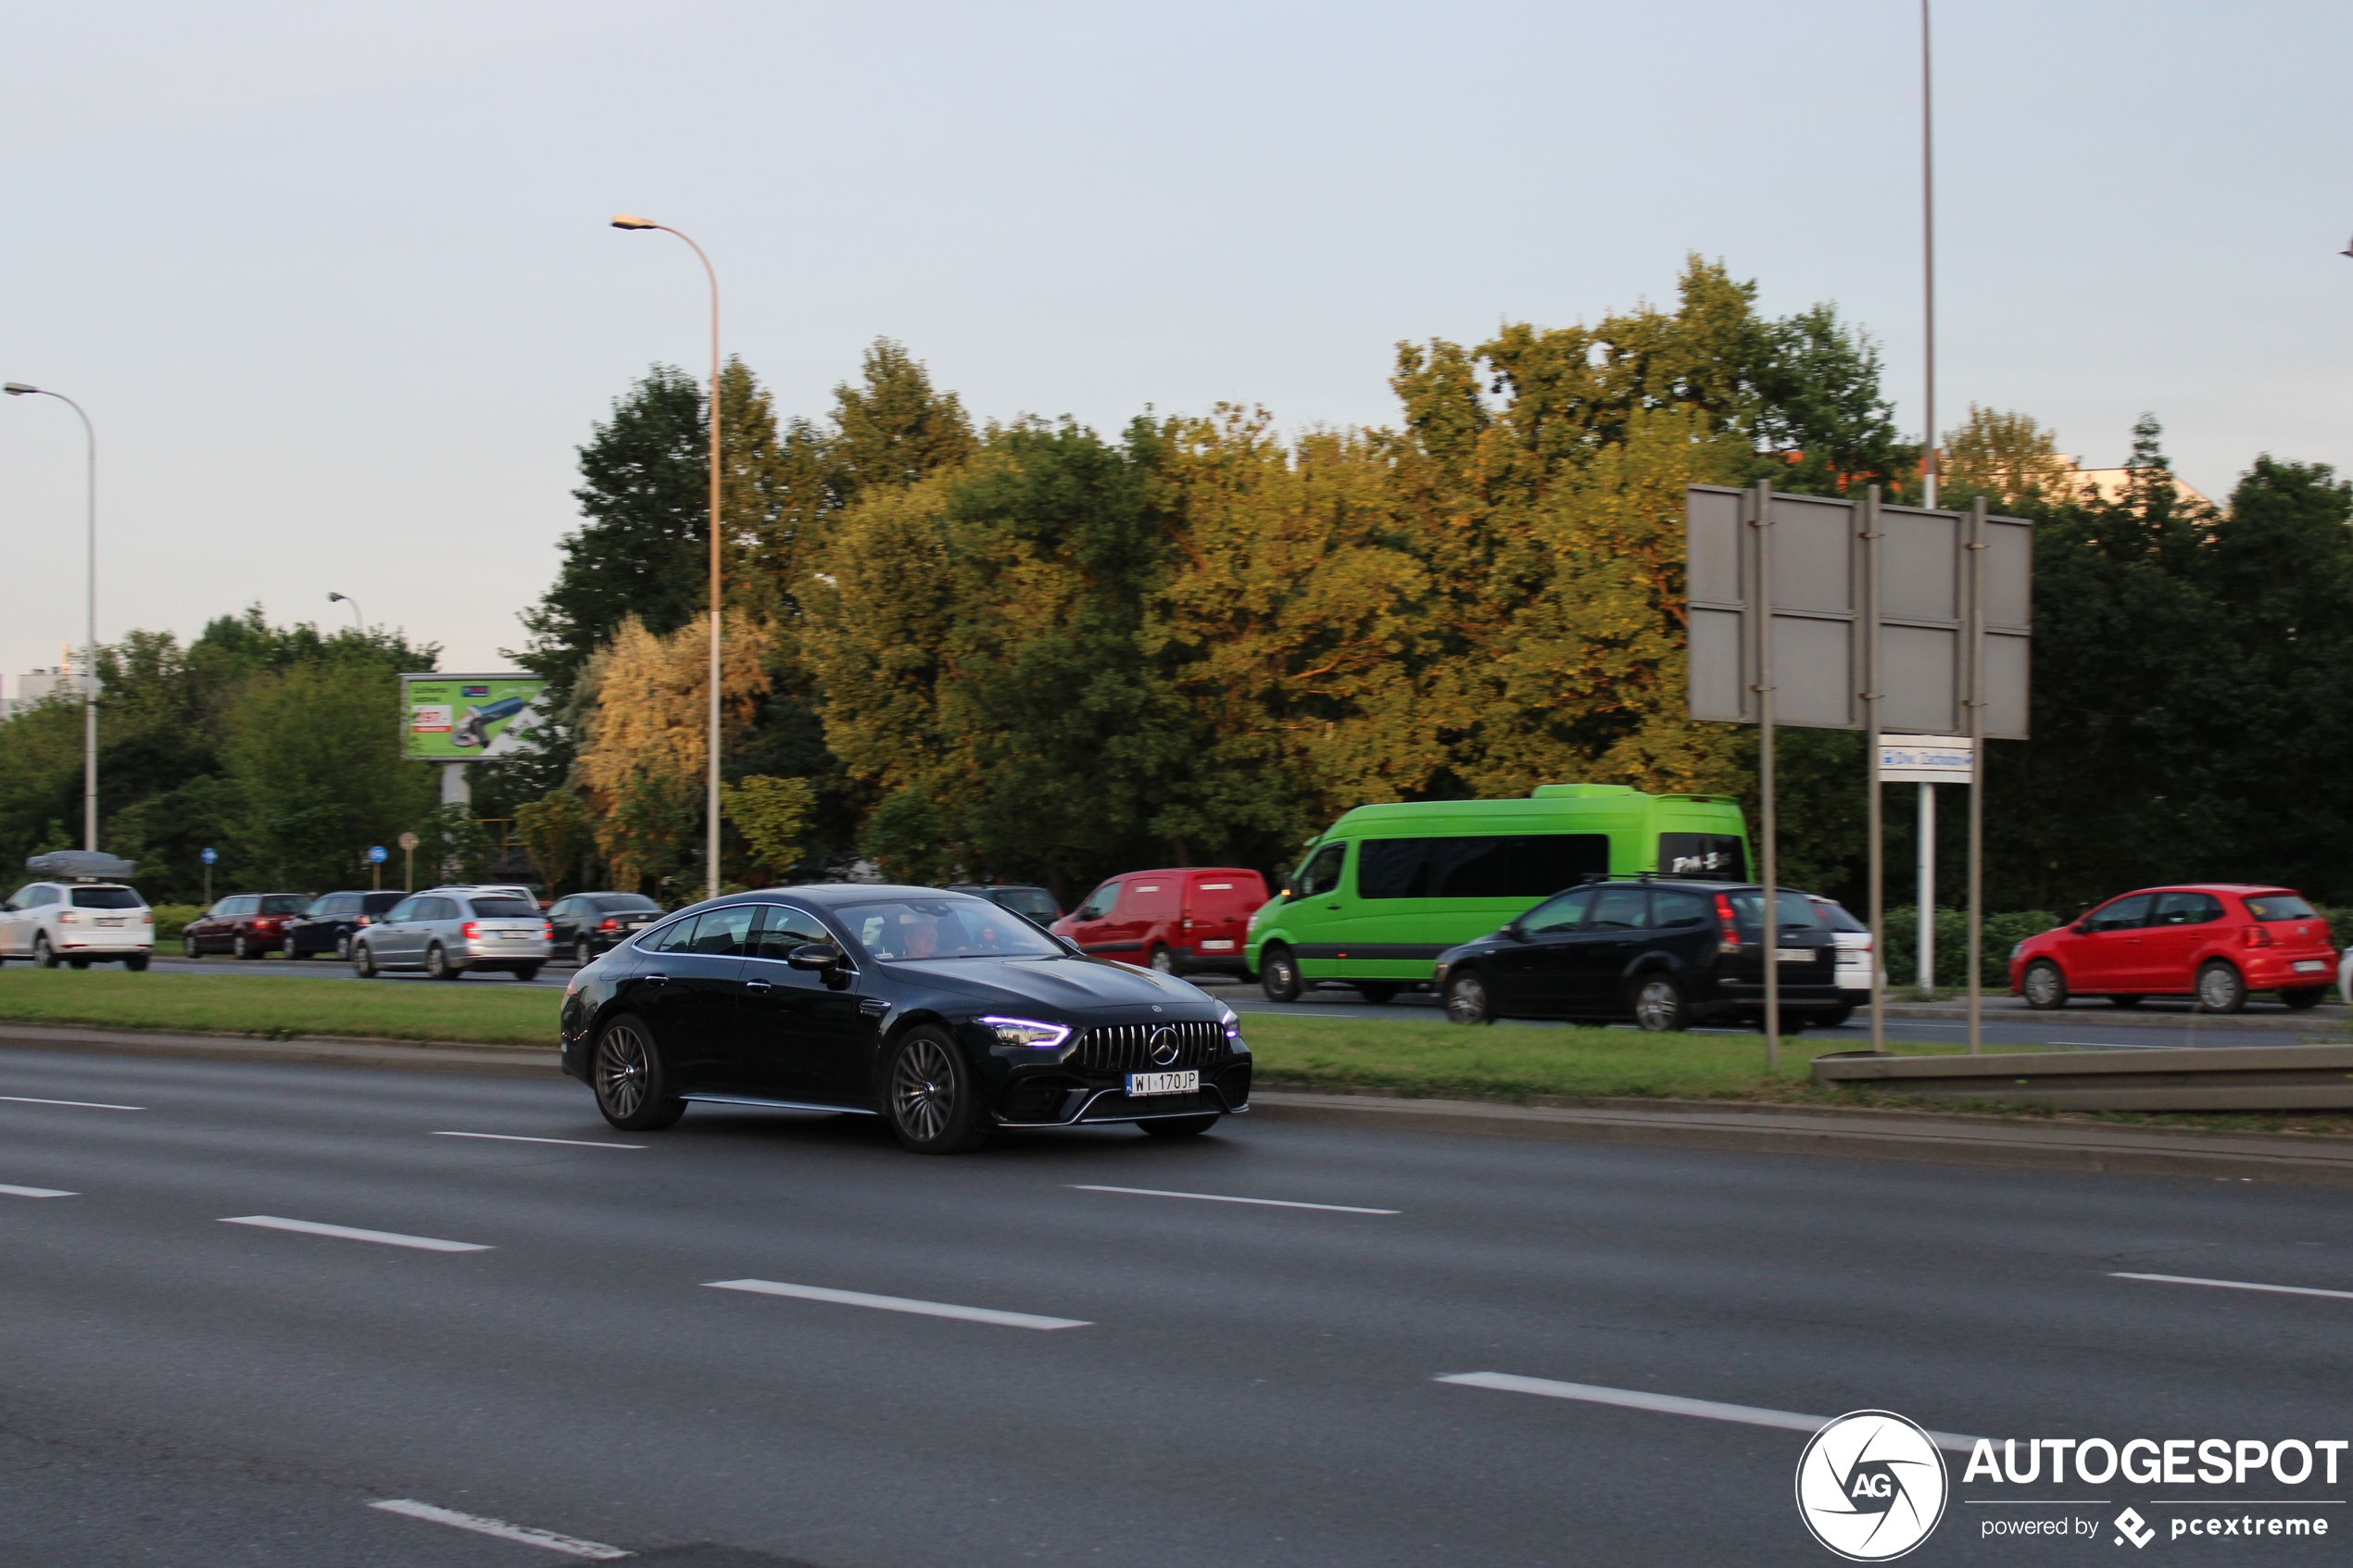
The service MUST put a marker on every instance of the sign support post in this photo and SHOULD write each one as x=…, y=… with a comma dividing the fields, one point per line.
x=1927, y=886
x=1977, y=547
x=1872, y=684
x=1771, y=917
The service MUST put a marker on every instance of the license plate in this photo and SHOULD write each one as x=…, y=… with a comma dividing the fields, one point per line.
x=2310, y=966
x=1795, y=955
x=1164, y=1084
x=1220, y=945
x=113, y=922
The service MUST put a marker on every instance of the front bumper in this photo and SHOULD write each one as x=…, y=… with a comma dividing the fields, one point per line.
x=1087, y=1083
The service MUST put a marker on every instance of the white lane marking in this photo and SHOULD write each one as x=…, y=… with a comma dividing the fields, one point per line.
x=2240, y=1284
x=1221, y=1198
x=518, y=1137
x=35, y=1192
x=347, y=1233
x=896, y=1304
x=1670, y=1404
x=77, y=1104
x=570, y=1546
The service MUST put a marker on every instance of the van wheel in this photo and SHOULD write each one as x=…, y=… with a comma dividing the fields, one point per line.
x=2304, y=997
x=1163, y=962
x=2221, y=988
x=1659, y=1006
x=1376, y=991
x=1279, y=974
x=1467, y=999
x=2043, y=986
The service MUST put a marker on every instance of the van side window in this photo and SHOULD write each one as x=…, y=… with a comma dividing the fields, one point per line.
x=1709, y=856
x=1099, y=903
x=1321, y=874
x=1522, y=866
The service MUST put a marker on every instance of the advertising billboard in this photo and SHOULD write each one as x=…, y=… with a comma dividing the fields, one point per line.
x=468, y=718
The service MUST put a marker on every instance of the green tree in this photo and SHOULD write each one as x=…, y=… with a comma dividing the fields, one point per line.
x=313, y=755
x=773, y=816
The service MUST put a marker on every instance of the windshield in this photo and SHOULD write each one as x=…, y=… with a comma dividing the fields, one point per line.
x=119, y=898
x=2263, y=907
x=1796, y=909
x=909, y=930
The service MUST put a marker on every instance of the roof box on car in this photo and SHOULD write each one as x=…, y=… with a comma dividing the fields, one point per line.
x=79, y=865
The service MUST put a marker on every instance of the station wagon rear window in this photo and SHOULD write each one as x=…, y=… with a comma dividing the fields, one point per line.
x=504, y=908
x=1532, y=866
x=105, y=899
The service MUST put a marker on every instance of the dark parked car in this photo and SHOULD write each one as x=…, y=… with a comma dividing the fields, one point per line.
x=588, y=924
x=1034, y=903
x=250, y=925
x=1666, y=954
x=327, y=926
x=945, y=1014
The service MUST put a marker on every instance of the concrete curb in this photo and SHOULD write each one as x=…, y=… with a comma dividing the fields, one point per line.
x=437, y=1056
x=1955, y=1140
x=2327, y=1024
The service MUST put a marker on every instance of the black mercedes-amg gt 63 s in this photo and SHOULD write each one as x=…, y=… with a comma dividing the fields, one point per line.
x=945, y=1014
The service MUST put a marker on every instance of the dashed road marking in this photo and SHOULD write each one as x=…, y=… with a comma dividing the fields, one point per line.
x=2239, y=1284
x=350, y=1232
x=1222, y=1198
x=570, y=1546
x=77, y=1104
x=896, y=1304
x=518, y=1137
x=1670, y=1404
x=34, y=1192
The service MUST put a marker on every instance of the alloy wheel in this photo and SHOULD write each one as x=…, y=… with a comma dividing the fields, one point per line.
x=1659, y=1004
x=1467, y=999
x=622, y=1070
x=922, y=1089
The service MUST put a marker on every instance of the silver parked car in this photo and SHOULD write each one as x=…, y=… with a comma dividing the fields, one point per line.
x=446, y=931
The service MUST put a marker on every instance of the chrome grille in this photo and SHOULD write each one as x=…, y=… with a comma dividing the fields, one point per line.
x=1127, y=1048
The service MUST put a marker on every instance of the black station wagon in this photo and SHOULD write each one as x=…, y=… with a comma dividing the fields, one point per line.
x=947, y=1015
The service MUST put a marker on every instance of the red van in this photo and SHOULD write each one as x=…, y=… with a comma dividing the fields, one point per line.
x=1178, y=920
x=2213, y=941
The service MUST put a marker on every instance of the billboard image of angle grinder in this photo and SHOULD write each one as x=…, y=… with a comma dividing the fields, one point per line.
x=473, y=728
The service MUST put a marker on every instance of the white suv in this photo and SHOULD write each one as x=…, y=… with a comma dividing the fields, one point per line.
x=77, y=922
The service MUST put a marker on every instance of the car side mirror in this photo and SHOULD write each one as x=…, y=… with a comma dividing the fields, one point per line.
x=2082, y=928
x=819, y=956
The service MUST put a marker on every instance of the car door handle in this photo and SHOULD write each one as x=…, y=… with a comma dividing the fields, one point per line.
x=755, y=985
x=653, y=979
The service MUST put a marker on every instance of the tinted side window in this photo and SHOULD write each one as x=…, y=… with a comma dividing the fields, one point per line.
x=1621, y=909
x=405, y=909
x=1526, y=866
x=505, y=908
x=105, y=899
x=671, y=938
x=782, y=929
x=440, y=909
x=723, y=934
x=245, y=904
x=1322, y=873
x=1670, y=907
x=2125, y=914
x=2185, y=908
x=45, y=896
x=1558, y=915
x=22, y=896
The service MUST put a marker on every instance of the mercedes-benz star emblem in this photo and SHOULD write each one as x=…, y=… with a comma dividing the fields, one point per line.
x=1162, y=1046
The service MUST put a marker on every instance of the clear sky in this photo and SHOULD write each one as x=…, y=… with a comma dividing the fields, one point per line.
x=335, y=281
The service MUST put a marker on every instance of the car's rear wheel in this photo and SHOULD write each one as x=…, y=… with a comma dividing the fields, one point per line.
x=136, y=964
x=527, y=972
x=1279, y=974
x=290, y=949
x=343, y=948
x=1377, y=992
x=1659, y=1004
x=2043, y=986
x=928, y=1094
x=363, y=962
x=2127, y=1000
x=1467, y=999
x=1836, y=1018
x=2221, y=988
x=2304, y=999
x=633, y=1086
x=579, y=952
x=240, y=947
x=44, y=954
x=437, y=964
x=1791, y=1022
x=1179, y=1126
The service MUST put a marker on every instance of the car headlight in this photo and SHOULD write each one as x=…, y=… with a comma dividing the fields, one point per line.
x=2015, y=949
x=1028, y=1031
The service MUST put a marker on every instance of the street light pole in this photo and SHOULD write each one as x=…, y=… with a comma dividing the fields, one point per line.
x=90, y=645
x=1927, y=264
x=711, y=848
x=359, y=622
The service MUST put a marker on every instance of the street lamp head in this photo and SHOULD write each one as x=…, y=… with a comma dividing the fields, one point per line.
x=334, y=598
x=17, y=389
x=624, y=221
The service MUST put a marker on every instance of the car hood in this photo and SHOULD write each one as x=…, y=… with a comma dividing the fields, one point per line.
x=1084, y=985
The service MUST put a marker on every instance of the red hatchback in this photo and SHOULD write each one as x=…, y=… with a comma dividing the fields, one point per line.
x=1177, y=921
x=2214, y=941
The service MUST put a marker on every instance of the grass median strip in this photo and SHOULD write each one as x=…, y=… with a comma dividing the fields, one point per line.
x=474, y=1012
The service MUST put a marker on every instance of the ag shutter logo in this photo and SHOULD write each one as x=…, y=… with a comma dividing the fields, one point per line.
x=2130, y=1526
x=1871, y=1486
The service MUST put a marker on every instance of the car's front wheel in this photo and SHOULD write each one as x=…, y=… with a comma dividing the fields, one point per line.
x=1279, y=974
x=633, y=1086
x=1466, y=1000
x=1659, y=1004
x=2305, y=997
x=1179, y=1126
x=290, y=949
x=579, y=953
x=929, y=1098
x=2221, y=988
x=363, y=962
x=2043, y=986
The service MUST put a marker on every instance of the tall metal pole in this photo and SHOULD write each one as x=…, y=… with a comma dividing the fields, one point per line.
x=1871, y=684
x=1976, y=770
x=1771, y=919
x=1926, y=879
x=90, y=642
x=1927, y=273
x=711, y=803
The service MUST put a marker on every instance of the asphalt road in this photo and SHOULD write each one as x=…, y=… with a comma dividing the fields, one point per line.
x=2009, y=1021
x=1241, y=1384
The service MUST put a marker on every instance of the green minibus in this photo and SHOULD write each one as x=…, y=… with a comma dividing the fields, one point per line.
x=1390, y=887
